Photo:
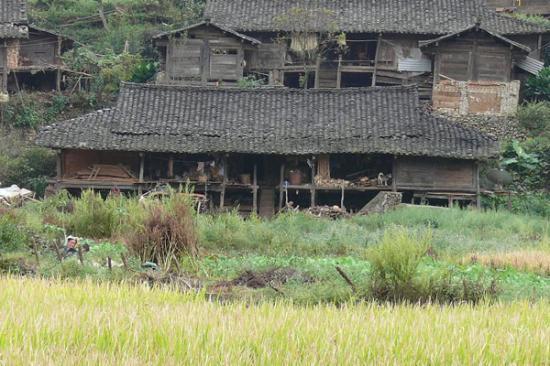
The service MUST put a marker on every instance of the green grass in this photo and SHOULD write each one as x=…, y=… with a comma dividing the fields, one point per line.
x=43, y=322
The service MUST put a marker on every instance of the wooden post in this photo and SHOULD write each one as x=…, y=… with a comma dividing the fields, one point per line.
x=339, y=73
x=394, y=175
x=58, y=58
x=224, y=182
x=141, y=172
x=171, y=167
x=109, y=263
x=124, y=261
x=36, y=255
x=313, y=191
x=141, y=166
x=59, y=165
x=80, y=256
x=342, y=198
x=281, y=186
x=57, y=252
x=255, y=190
x=476, y=181
x=317, y=72
x=376, y=55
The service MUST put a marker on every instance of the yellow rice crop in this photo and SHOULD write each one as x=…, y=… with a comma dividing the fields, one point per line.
x=56, y=323
x=524, y=260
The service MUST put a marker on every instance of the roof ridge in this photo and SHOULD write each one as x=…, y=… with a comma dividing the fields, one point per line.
x=125, y=85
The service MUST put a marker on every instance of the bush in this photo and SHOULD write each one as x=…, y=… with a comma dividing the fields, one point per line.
x=535, y=117
x=403, y=272
x=167, y=232
x=395, y=262
x=92, y=216
x=12, y=238
x=537, y=87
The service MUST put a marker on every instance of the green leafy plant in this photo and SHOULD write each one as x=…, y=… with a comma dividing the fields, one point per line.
x=395, y=262
x=537, y=87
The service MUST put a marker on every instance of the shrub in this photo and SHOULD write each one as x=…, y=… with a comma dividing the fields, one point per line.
x=535, y=117
x=168, y=232
x=92, y=216
x=537, y=87
x=403, y=272
x=12, y=238
x=395, y=262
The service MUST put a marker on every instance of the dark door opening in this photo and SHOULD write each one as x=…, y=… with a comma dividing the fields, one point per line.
x=296, y=80
x=356, y=79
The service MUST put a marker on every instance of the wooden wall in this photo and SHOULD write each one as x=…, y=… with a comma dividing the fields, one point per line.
x=435, y=174
x=203, y=54
x=473, y=56
x=75, y=160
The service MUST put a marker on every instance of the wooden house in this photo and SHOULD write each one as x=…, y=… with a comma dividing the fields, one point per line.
x=532, y=7
x=358, y=43
x=259, y=149
x=30, y=56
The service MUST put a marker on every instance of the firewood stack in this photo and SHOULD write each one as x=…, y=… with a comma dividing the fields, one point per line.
x=333, y=212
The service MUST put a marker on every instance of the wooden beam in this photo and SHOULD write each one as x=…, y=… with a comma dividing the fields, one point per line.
x=224, y=181
x=58, y=59
x=477, y=185
x=59, y=165
x=339, y=73
x=281, y=186
x=394, y=174
x=171, y=166
x=317, y=71
x=141, y=166
x=313, y=190
x=376, y=55
x=255, y=189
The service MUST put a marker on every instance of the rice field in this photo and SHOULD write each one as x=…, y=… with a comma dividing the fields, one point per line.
x=79, y=323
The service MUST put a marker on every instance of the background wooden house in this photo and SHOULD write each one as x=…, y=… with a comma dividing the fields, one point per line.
x=372, y=43
x=533, y=7
x=30, y=57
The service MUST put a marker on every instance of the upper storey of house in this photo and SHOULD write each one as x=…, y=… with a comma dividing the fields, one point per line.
x=13, y=19
x=533, y=7
x=430, y=17
x=354, y=43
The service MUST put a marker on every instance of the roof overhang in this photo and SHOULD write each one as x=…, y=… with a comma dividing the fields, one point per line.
x=475, y=27
x=242, y=37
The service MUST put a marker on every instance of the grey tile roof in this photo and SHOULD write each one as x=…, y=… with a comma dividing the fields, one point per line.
x=13, y=19
x=520, y=46
x=390, y=16
x=244, y=37
x=268, y=121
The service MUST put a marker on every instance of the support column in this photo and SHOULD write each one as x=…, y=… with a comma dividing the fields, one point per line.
x=171, y=167
x=141, y=172
x=376, y=56
x=255, y=190
x=313, y=190
x=59, y=165
x=394, y=175
x=339, y=73
x=58, y=58
x=224, y=182
x=478, y=190
x=141, y=166
x=281, y=186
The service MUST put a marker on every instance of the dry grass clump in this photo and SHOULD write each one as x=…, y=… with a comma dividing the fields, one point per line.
x=537, y=261
x=168, y=231
x=66, y=323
